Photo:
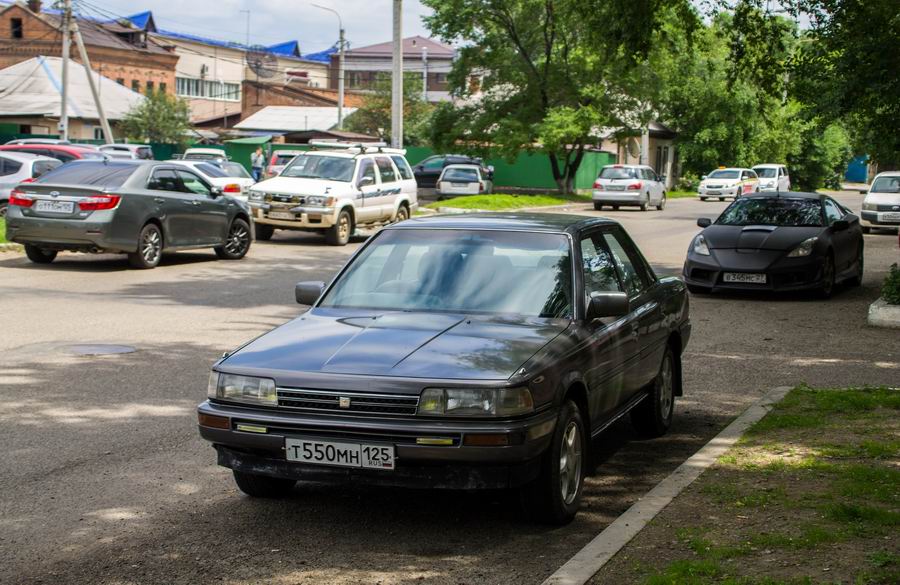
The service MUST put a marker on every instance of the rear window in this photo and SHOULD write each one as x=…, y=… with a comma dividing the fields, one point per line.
x=233, y=169
x=461, y=175
x=42, y=167
x=618, y=173
x=97, y=174
x=145, y=152
x=776, y=211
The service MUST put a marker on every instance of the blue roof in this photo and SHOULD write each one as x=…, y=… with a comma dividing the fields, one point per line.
x=141, y=19
x=321, y=56
x=288, y=49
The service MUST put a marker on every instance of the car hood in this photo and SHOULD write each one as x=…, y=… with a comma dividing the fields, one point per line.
x=883, y=198
x=757, y=237
x=726, y=182
x=298, y=186
x=402, y=344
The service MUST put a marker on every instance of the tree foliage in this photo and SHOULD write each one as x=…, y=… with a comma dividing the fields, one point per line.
x=374, y=117
x=159, y=118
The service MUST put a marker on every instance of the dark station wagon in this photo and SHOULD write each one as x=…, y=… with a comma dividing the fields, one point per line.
x=467, y=352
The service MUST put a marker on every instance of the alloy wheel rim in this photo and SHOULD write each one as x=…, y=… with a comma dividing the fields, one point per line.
x=344, y=226
x=570, y=463
x=150, y=247
x=2, y=210
x=666, y=394
x=401, y=214
x=238, y=238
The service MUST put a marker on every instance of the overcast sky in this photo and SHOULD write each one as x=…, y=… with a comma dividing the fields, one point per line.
x=274, y=21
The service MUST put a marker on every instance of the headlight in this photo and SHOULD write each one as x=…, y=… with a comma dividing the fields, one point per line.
x=869, y=206
x=700, y=246
x=319, y=201
x=804, y=249
x=247, y=389
x=475, y=402
x=256, y=195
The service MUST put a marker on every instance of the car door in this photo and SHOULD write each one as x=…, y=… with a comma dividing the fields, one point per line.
x=210, y=221
x=428, y=171
x=390, y=187
x=843, y=242
x=367, y=208
x=645, y=313
x=9, y=176
x=173, y=207
x=655, y=186
x=610, y=345
x=407, y=179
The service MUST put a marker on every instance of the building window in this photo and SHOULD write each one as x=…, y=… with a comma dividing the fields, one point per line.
x=15, y=27
x=149, y=87
x=136, y=85
x=98, y=133
x=120, y=81
x=162, y=87
x=202, y=88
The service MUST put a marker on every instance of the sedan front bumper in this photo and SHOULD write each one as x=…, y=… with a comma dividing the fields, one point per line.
x=455, y=465
x=782, y=273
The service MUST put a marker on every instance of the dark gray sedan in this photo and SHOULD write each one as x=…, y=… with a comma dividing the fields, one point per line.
x=139, y=208
x=477, y=351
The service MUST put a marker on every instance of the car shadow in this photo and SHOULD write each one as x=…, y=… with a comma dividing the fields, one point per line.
x=106, y=262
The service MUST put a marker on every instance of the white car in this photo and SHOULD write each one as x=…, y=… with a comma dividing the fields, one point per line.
x=334, y=191
x=728, y=182
x=463, y=180
x=21, y=167
x=279, y=160
x=204, y=154
x=773, y=177
x=881, y=206
x=231, y=177
x=618, y=185
x=128, y=151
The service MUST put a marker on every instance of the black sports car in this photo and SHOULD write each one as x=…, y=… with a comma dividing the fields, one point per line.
x=777, y=241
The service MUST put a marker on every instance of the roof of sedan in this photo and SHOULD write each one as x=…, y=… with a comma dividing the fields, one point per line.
x=538, y=222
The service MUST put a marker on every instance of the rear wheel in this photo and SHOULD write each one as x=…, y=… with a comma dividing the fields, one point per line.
x=262, y=486
x=653, y=416
x=150, y=245
x=703, y=199
x=598, y=206
x=555, y=496
x=402, y=214
x=645, y=203
x=39, y=255
x=237, y=244
x=3, y=208
x=339, y=233
x=264, y=232
x=662, y=202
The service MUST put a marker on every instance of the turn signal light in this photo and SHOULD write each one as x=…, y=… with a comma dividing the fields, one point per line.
x=99, y=202
x=486, y=440
x=19, y=198
x=215, y=422
x=232, y=188
x=635, y=186
x=597, y=184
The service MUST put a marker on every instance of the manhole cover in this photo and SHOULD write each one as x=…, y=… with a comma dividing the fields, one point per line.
x=100, y=349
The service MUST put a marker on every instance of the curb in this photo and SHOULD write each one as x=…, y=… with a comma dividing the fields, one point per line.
x=11, y=248
x=881, y=314
x=586, y=562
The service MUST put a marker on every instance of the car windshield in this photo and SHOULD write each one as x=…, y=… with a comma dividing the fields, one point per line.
x=618, y=173
x=779, y=212
x=211, y=170
x=886, y=185
x=329, y=168
x=98, y=174
x=766, y=172
x=493, y=272
x=461, y=175
x=725, y=175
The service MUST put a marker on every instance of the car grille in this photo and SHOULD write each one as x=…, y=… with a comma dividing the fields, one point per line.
x=887, y=207
x=714, y=186
x=353, y=402
x=279, y=198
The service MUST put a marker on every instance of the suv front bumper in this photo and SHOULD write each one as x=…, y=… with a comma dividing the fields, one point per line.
x=305, y=217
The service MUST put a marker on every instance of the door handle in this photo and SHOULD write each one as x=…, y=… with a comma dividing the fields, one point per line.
x=159, y=199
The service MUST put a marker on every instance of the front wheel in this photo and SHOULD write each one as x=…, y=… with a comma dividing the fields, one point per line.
x=150, y=245
x=237, y=244
x=262, y=486
x=555, y=496
x=264, y=232
x=39, y=255
x=826, y=288
x=662, y=202
x=402, y=214
x=339, y=233
x=653, y=416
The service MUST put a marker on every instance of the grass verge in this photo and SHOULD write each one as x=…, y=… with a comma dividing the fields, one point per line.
x=502, y=202
x=811, y=494
x=680, y=194
x=2, y=231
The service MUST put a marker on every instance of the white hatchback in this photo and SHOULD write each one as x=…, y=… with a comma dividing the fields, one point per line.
x=21, y=167
x=629, y=185
x=773, y=177
x=231, y=177
x=463, y=180
x=881, y=206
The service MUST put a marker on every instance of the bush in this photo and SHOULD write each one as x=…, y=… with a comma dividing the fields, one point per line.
x=890, y=291
x=687, y=182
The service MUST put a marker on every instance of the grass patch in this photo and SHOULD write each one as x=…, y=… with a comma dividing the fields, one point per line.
x=2, y=230
x=501, y=202
x=680, y=194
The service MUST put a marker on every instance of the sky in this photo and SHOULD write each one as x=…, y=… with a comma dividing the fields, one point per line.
x=272, y=21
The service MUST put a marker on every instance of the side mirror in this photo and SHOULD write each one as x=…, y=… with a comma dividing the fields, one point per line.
x=307, y=293
x=216, y=191
x=365, y=182
x=704, y=222
x=841, y=225
x=607, y=304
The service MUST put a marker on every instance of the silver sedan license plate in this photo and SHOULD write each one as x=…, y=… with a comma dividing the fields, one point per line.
x=340, y=454
x=54, y=206
x=745, y=277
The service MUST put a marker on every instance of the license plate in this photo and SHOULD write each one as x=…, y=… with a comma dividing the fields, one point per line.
x=615, y=187
x=281, y=215
x=340, y=454
x=744, y=277
x=713, y=192
x=890, y=216
x=54, y=206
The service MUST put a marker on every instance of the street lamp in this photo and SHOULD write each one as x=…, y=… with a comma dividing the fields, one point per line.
x=340, y=123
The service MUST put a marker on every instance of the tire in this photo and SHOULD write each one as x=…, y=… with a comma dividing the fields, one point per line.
x=598, y=206
x=703, y=199
x=549, y=499
x=402, y=214
x=237, y=244
x=866, y=229
x=662, y=202
x=826, y=289
x=264, y=232
x=4, y=206
x=615, y=208
x=39, y=255
x=653, y=416
x=262, y=486
x=856, y=279
x=723, y=199
x=698, y=290
x=339, y=233
x=645, y=204
x=150, y=246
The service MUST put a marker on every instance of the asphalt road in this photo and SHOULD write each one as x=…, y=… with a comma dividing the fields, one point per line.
x=103, y=478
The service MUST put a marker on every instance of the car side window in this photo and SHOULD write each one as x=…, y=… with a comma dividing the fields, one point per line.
x=366, y=169
x=192, y=183
x=433, y=164
x=386, y=169
x=9, y=167
x=632, y=270
x=598, y=267
x=403, y=167
x=163, y=180
x=832, y=211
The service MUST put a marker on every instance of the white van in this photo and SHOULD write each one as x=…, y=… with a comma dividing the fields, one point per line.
x=773, y=177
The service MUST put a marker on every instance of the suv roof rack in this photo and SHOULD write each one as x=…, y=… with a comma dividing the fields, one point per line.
x=356, y=147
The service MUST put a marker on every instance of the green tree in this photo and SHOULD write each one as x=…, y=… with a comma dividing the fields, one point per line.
x=374, y=117
x=159, y=118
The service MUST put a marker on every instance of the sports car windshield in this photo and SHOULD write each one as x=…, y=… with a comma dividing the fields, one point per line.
x=328, y=168
x=493, y=272
x=779, y=212
x=724, y=175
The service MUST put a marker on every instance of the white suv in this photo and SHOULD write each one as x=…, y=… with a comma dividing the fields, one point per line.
x=773, y=177
x=334, y=191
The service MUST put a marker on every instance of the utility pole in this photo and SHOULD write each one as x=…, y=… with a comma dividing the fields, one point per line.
x=85, y=61
x=341, y=44
x=425, y=74
x=397, y=78
x=66, y=40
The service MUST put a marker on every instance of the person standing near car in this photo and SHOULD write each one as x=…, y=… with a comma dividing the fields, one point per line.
x=257, y=162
